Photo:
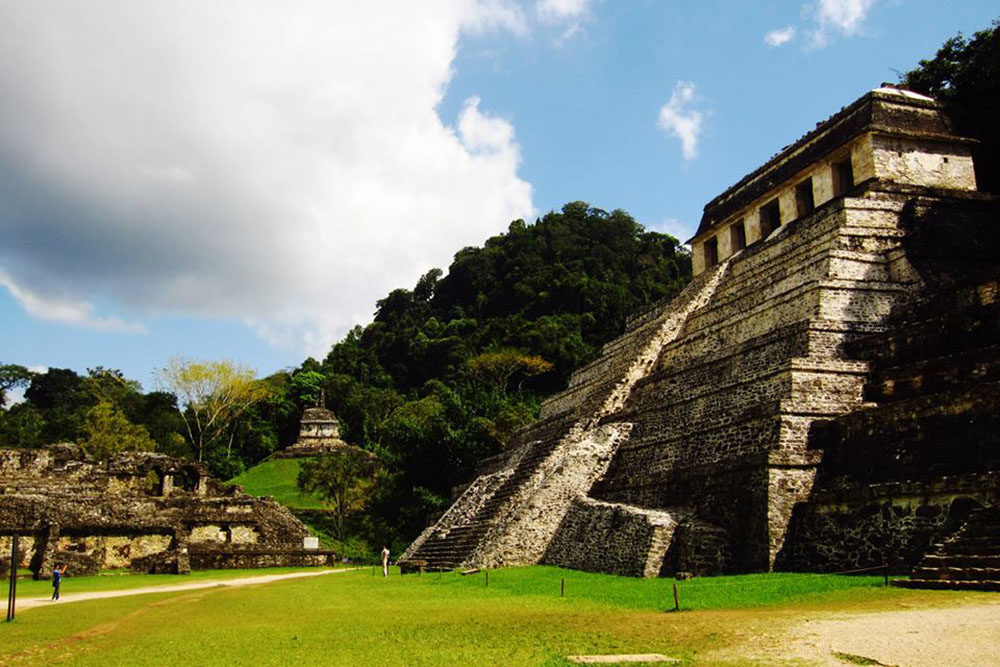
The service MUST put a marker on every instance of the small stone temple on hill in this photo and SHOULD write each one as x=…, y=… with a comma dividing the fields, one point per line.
x=824, y=395
x=319, y=432
x=144, y=511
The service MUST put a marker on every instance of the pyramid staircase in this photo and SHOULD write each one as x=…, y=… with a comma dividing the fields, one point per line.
x=449, y=548
x=968, y=560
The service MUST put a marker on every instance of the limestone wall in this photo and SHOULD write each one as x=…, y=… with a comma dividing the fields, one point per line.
x=105, y=514
x=936, y=165
x=865, y=526
x=613, y=538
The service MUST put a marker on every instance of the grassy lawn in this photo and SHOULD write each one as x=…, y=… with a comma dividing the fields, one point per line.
x=354, y=618
x=277, y=478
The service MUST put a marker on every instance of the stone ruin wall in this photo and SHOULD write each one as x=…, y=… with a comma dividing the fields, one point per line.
x=906, y=471
x=144, y=511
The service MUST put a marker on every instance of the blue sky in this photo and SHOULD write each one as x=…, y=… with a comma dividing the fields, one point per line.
x=242, y=180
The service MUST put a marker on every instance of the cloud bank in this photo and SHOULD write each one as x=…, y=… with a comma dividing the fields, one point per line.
x=279, y=163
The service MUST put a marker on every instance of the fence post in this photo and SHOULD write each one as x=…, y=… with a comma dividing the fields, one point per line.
x=562, y=588
x=885, y=572
x=677, y=600
x=12, y=590
x=487, y=577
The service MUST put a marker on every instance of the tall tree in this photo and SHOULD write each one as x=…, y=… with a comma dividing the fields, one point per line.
x=213, y=396
x=108, y=431
x=497, y=369
x=12, y=376
x=344, y=478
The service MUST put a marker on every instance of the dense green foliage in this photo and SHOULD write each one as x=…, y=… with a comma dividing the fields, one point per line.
x=965, y=75
x=344, y=479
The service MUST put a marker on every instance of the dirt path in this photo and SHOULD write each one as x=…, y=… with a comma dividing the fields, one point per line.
x=23, y=604
x=967, y=635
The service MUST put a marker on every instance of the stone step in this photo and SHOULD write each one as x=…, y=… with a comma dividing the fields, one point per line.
x=962, y=549
x=931, y=336
x=946, y=584
x=961, y=560
x=936, y=375
x=956, y=573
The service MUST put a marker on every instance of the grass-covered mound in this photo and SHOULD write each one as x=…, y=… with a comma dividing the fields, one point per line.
x=354, y=618
x=277, y=478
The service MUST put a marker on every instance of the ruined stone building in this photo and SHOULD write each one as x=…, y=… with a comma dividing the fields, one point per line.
x=822, y=396
x=144, y=511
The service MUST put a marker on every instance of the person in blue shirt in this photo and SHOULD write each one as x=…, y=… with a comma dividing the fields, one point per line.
x=57, y=574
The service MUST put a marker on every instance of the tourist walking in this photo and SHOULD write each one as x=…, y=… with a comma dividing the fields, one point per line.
x=57, y=574
x=385, y=561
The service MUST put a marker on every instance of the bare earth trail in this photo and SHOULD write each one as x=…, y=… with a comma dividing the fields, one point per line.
x=966, y=636
x=24, y=604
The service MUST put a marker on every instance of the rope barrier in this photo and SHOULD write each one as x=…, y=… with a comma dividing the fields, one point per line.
x=797, y=577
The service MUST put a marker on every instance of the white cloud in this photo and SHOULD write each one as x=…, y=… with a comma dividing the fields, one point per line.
x=823, y=21
x=679, y=120
x=844, y=18
x=279, y=163
x=570, y=13
x=568, y=34
x=66, y=310
x=780, y=36
x=561, y=10
x=495, y=14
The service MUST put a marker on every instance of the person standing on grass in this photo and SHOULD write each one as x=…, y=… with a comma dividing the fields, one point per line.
x=385, y=561
x=57, y=574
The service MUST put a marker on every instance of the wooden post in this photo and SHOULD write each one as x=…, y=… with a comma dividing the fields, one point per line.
x=677, y=600
x=487, y=577
x=562, y=588
x=885, y=572
x=12, y=590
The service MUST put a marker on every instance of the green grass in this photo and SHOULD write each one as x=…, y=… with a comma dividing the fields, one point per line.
x=277, y=478
x=354, y=618
x=748, y=590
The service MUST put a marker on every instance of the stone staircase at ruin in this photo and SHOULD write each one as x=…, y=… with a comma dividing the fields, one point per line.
x=967, y=560
x=449, y=548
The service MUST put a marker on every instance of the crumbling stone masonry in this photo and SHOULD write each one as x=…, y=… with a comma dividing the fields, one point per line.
x=144, y=511
x=693, y=440
x=319, y=432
